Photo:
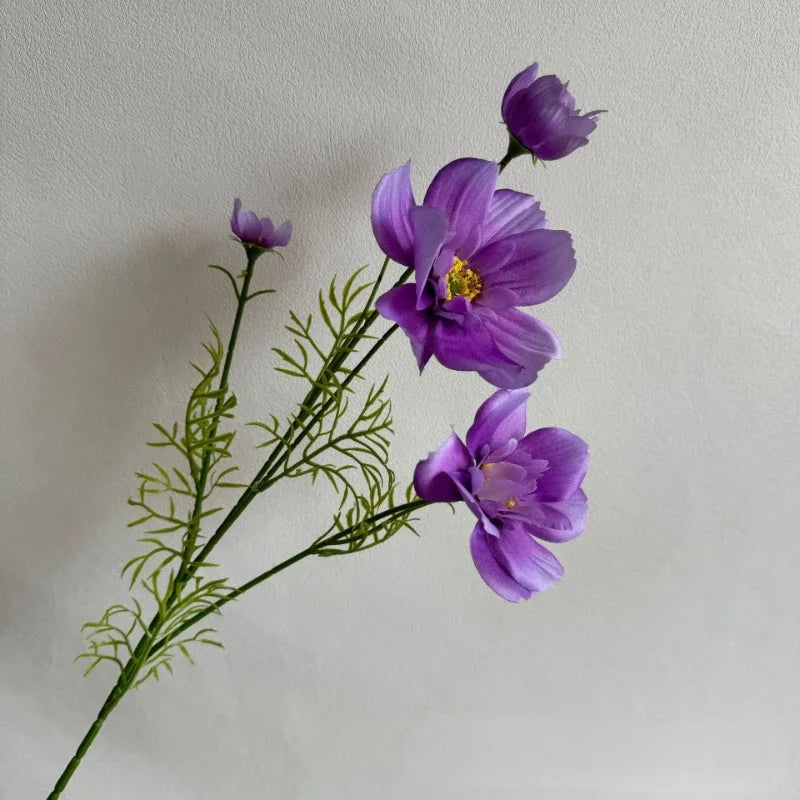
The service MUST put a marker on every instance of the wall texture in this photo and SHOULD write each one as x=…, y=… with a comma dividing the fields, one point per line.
x=667, y=662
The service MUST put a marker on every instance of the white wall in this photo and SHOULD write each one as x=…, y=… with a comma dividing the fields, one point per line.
x=666, y=664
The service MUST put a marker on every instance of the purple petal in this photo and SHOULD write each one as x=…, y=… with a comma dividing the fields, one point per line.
x=474, y=506
x=237, y=207
x=566, y=99
x=559, y=146
x=579, y=125
x=498, y=420
x=527, y=344
x=492, y=573
x=399, y=305
x=557, y=521
x=249, y=226
x=567, y=457
x=570, y=136
x=512, y=212
x=541, y=265
x=521, y=81
x=497, y=297
x=529, y=106
x=429, y=227
x=528, y=563
x=547, y=122
x=463, y=190
x=466, y=346
x=282, y=235
x=493, y=256
x=434, y=476
x=391, y=202
x=267, y=228
x=544, y=91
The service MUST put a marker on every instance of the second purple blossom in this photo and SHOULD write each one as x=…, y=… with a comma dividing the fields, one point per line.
x=520, y=487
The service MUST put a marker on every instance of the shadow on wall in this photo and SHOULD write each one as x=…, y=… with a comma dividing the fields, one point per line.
x=86, y=413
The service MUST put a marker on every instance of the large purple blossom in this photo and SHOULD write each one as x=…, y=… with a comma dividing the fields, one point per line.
x=477, y=253
x=541, y=116
x=518, y=486
x=248, y=228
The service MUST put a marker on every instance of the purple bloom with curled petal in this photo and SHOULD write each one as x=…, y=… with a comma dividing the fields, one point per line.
x=541, y=116
x=478, y=252
x=518, y=486
x=249, y=229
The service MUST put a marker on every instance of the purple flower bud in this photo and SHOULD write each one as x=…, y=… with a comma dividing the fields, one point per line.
x=249, y=229
x=541, y=116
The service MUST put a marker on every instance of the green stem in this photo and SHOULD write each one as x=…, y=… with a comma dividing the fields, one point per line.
x=111, y=701
x=265, y=478
x=189, y=565
x=514, y=149
x=279, y=454
x=269, y=478
x=143, y=648
x=191, y=538
x=335, y=539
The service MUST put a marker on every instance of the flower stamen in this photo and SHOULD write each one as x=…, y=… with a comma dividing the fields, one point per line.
x=461, y=281
x=511, y=503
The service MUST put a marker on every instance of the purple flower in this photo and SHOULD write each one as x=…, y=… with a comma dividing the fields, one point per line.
x=541, y=116
x=518, y=486
x=249, y=229
x=477, y=254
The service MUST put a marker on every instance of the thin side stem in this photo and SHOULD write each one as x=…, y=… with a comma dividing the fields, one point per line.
x=313, y=549
x=278, y=456
x=514, y=149
x=242, y=298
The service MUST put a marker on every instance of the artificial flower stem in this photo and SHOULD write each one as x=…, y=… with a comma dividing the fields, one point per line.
x=330, y=367
x=266, y=478
x=278, y=456
x=269, y=478
x=514, y=149
x=188, y=551
x=146, y=644
x=143, y=648
x=111, y=701
x=367, y=319
x=313, y=549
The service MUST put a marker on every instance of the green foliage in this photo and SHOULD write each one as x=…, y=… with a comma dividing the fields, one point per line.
x=341, y=322
x=170, y=512
x=332, y=435
x=336, y=435
x=358, y=529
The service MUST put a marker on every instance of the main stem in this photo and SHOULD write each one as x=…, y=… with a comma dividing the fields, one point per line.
x=144, y=646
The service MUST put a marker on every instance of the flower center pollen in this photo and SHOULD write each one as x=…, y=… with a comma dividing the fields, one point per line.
x=511, y=503
x=461, y=281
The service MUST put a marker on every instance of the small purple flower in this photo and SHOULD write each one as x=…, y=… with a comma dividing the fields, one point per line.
x=518, y=486
x=249, y=229
x=477, y=253
x=541, y=116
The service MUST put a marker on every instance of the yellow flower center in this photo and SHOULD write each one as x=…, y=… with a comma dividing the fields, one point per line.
x=511, y=503
x=461, y=281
